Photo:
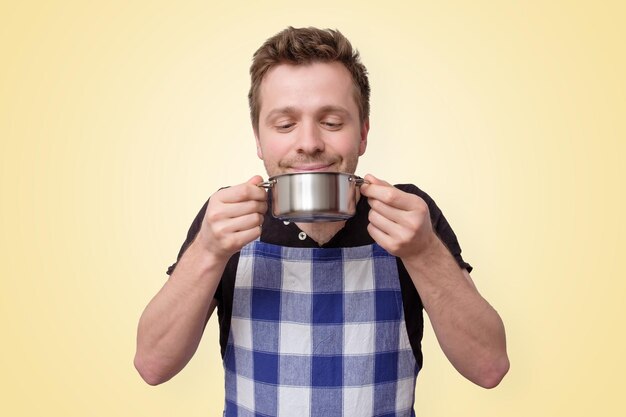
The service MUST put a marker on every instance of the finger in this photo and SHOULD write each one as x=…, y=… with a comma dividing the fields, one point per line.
x=396, y=215
x=369, y=178
x=393, y=214
x=256, y=180
x=243, y=192
x=234, y=210
x=380, y=237
x=239, y=224
x=246, y=236
x=375, y=187
x=390, y=196
x=384, y=224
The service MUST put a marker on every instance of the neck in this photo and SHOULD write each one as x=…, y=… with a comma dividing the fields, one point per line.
x=321, y=232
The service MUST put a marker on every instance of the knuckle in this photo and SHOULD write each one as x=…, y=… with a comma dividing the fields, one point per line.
x=253, y=192
x=228, y=242
x=219, y=195
x=259, y=192
x=220, y=232
x=419, y=204
x=405, y=239
x=242, y=192
x=414, y=223
x=394, y=247
x=212, y=216
x=388, y=196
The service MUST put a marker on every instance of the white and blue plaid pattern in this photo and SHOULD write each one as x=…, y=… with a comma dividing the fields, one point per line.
x=318, y=332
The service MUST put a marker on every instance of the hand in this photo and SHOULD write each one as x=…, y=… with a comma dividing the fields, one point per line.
x=233, y=218
x=399, y=221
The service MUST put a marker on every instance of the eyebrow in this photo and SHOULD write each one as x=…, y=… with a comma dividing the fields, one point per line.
x=290, y=110
x=335, y=109
x=281, y=111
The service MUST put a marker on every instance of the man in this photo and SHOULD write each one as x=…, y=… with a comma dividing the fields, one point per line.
x=319, y=318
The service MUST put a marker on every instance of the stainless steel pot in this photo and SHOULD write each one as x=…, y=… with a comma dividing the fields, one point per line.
x=313, y=196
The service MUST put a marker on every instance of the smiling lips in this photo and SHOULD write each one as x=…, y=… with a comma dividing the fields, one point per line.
x=310, y=168
x=310, y=164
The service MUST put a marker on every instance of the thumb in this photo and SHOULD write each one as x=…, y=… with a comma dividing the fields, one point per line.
x=256, y=180
x=376, y=181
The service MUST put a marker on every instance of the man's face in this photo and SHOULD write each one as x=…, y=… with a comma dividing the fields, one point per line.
x=309, y=120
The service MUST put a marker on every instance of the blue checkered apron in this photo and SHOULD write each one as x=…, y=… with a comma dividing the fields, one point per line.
x=318, y=332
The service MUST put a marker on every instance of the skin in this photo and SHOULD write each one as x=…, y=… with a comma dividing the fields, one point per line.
x=309, y=121
x=470, y=332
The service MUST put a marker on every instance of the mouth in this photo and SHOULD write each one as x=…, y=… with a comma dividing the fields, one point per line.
x=310, y=168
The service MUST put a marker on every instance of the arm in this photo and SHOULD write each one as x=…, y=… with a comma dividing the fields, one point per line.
x=470, y=332
x=172, y=324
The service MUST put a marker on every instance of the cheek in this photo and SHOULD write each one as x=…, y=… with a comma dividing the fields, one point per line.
x=348, y=147
x=275, y=149
x=272, y=149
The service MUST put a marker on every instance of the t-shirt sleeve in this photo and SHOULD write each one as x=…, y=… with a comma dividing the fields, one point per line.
x=191, y=235
x=440, y=225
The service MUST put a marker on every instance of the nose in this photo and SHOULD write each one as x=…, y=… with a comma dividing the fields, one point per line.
x=310, y=140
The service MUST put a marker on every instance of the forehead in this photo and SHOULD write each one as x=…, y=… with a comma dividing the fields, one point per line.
x=307, y=87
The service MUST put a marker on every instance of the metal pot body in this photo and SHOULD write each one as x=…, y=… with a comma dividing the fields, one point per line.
x=313, y=196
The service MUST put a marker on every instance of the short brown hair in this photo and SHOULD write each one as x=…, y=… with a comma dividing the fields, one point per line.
x=300, y=46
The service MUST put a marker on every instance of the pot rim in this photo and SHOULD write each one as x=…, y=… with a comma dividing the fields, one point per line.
x=333, y=173
x=273, y=179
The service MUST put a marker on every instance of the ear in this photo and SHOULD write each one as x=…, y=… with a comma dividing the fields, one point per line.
x=365, y=128
x=259, y=152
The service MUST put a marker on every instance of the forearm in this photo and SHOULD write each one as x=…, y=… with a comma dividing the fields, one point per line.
x=172, y=324
x=469, y=330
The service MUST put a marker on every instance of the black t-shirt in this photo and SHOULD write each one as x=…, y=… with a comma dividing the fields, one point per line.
x=353, y=234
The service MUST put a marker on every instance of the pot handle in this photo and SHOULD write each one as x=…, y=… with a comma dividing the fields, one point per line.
x=357, y=180
x=267, y=184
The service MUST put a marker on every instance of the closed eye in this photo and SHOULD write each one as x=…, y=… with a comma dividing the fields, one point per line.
x=285, y=127
x=332, y=125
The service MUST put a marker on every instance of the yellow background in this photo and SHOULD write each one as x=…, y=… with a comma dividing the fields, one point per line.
x=119, y=118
